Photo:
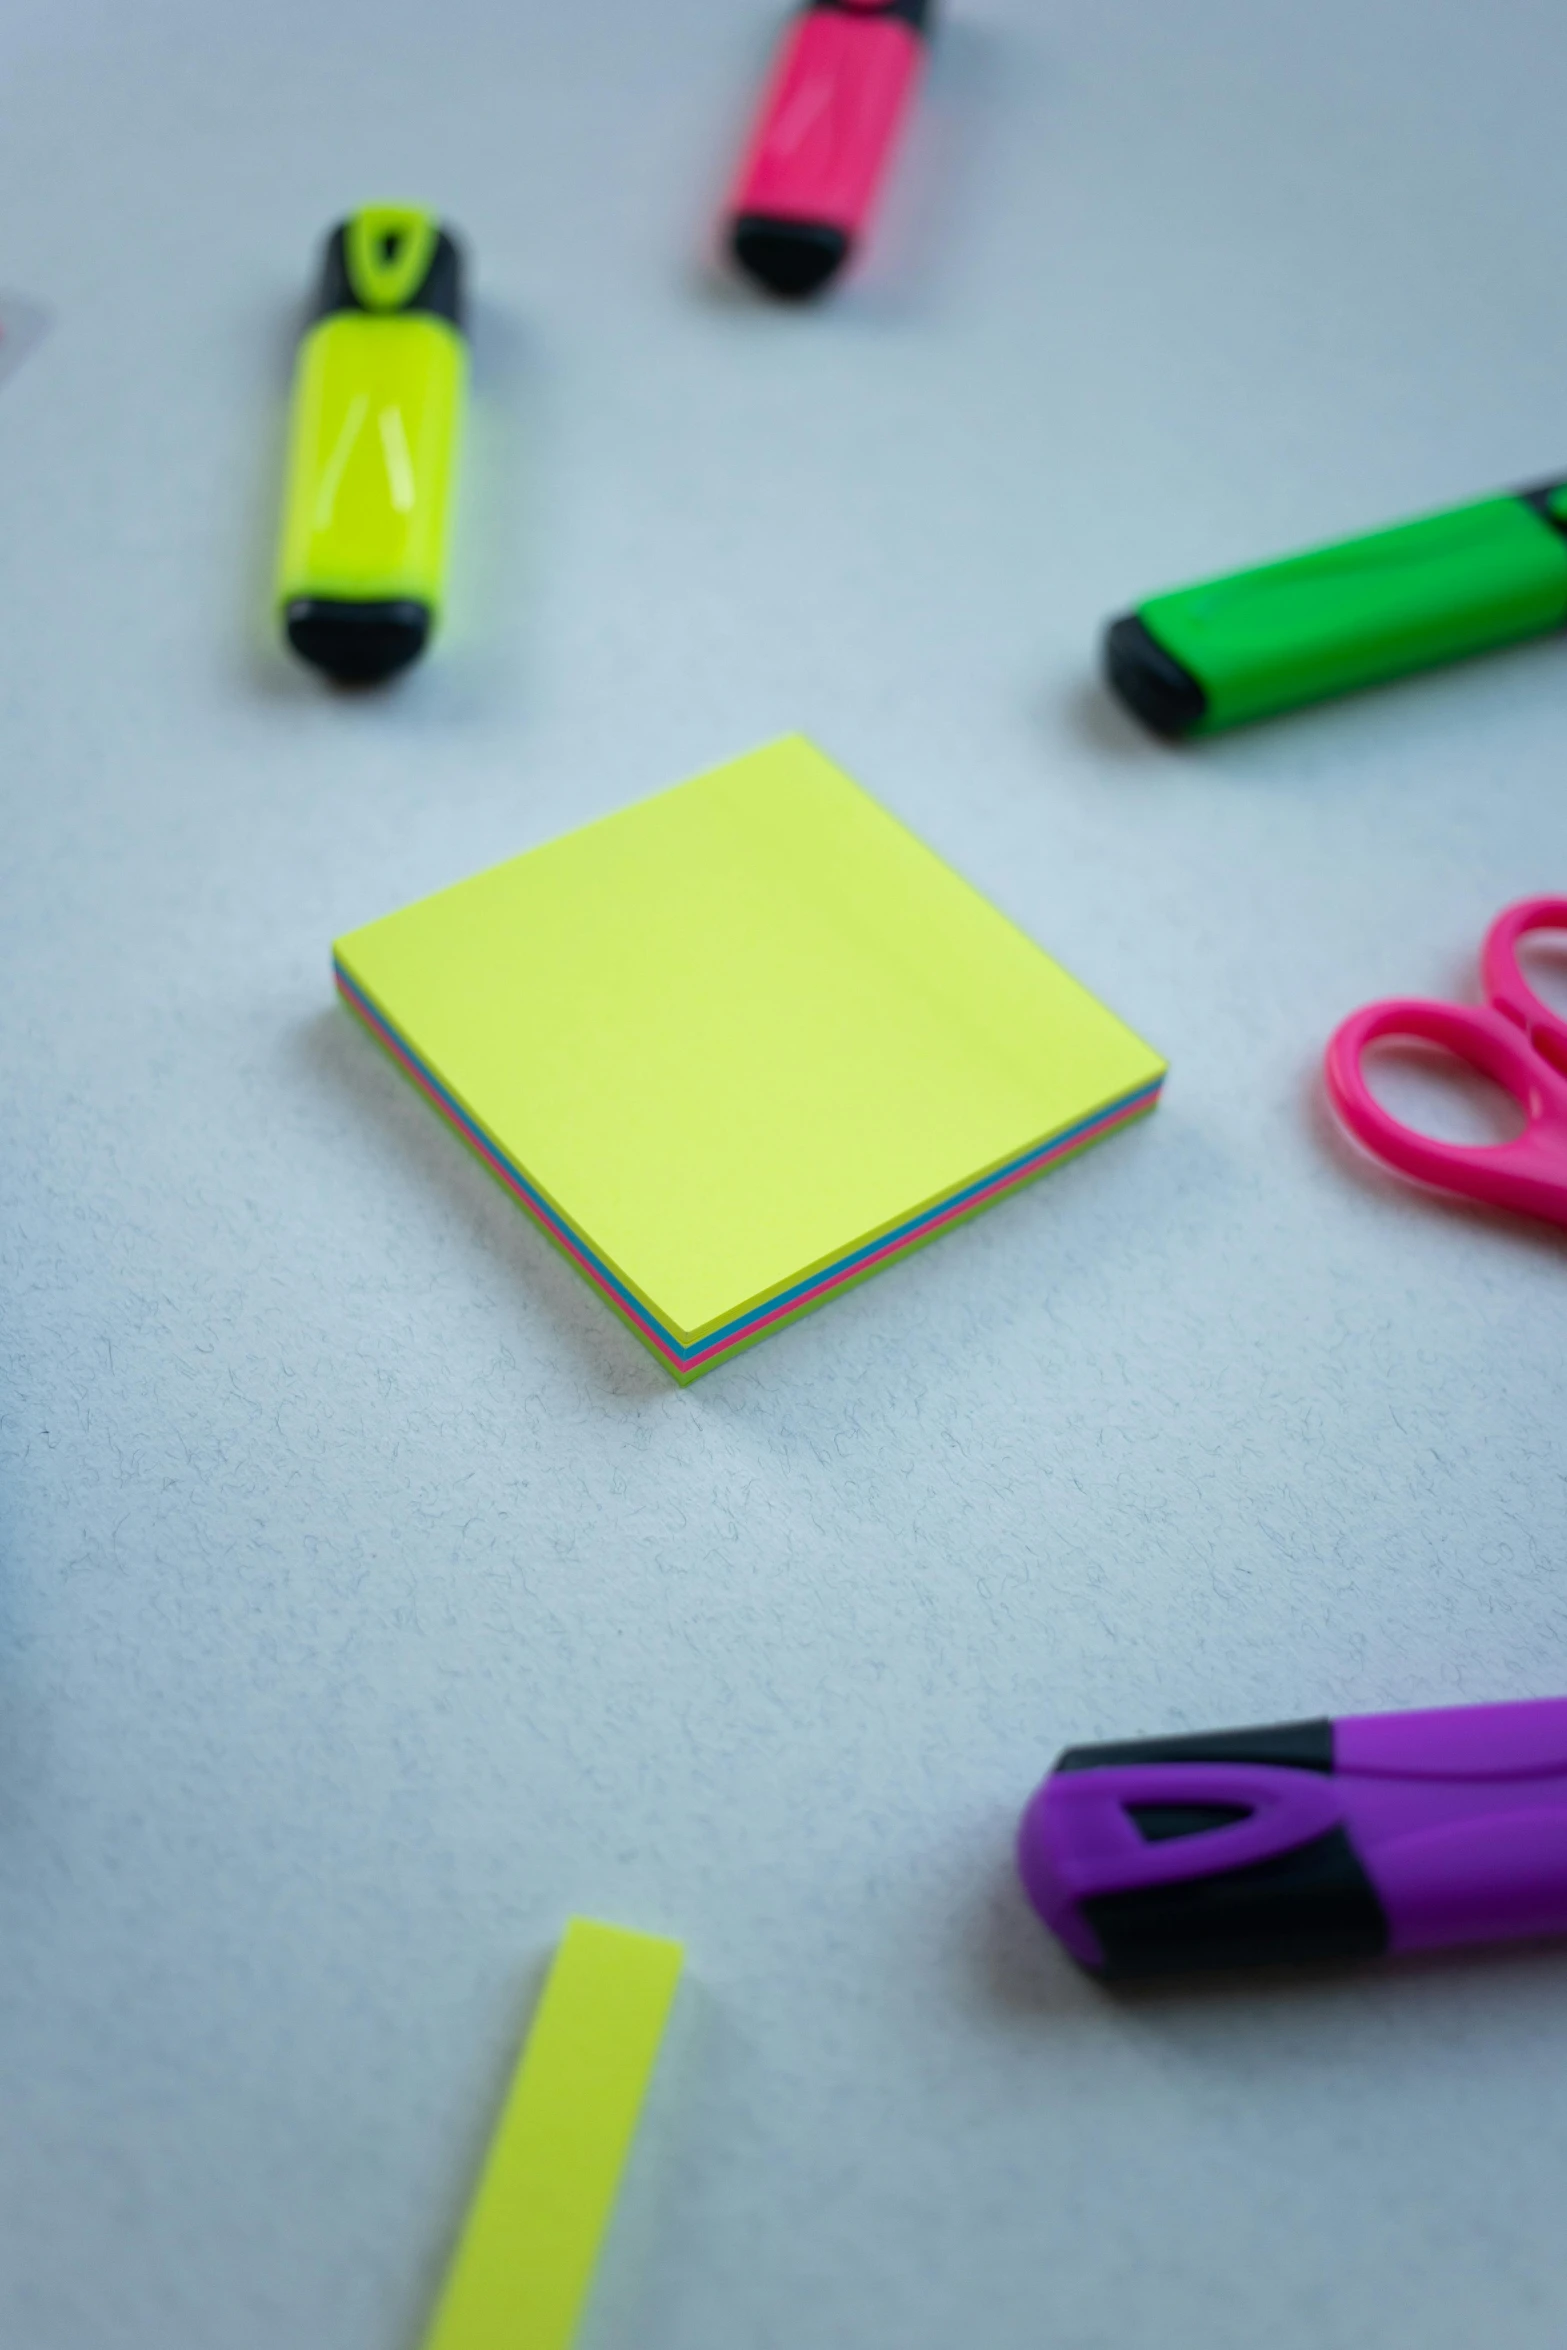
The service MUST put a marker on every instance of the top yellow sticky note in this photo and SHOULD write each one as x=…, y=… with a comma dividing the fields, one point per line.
x=742, y=1043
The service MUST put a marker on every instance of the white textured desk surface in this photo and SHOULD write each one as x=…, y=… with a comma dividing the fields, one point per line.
x=369, y=1601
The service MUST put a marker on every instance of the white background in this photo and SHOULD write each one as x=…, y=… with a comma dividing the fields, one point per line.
x=369, y=1600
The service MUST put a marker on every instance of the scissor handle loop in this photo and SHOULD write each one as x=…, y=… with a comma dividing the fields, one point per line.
x=1528, y=1174
x=1506, y=986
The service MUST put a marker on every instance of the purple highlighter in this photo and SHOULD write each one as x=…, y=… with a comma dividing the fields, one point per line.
x=1383, y=1832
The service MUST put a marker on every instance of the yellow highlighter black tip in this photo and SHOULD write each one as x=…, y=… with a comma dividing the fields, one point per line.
x=525, y=2261
x=376, y=419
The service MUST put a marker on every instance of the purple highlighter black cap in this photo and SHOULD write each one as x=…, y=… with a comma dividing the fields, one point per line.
x=1321, y=1839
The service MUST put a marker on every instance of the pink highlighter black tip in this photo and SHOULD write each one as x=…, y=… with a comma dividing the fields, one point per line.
x=793, y=259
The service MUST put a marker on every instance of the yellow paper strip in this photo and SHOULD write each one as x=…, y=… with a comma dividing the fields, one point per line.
x=532, y=2237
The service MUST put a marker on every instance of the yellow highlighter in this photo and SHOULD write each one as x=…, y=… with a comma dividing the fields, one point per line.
x=526, y=2257
x=379, y=387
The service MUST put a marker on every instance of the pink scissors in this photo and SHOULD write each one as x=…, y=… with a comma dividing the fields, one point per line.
x=1512, y=1038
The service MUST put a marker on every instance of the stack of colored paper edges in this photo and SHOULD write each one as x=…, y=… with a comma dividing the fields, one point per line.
x=742, y=1045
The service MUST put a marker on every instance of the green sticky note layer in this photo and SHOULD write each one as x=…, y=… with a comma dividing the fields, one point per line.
x=742, y=1044
x=525, y=2261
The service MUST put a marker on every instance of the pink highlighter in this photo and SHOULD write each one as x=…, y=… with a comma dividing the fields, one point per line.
x=828, y=124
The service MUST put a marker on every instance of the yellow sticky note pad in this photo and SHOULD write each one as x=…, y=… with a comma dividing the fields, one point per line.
x=742, y=1044
x=525, y=2261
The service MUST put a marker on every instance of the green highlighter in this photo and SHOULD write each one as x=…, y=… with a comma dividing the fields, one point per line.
x=379, y=388
x=1203, y=658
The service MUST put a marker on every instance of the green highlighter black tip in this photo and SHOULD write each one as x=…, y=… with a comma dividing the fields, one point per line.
x=1200, y=659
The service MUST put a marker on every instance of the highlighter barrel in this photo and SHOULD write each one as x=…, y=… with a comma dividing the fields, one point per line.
x=374, y=428
x=1308, y=1840
x=823, y=139
x=1357, y=613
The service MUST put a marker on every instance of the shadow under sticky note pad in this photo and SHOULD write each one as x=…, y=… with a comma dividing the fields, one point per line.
x=741, y=1045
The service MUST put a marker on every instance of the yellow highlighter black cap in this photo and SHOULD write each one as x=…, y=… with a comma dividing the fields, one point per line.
x=375, y=424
